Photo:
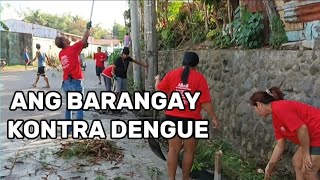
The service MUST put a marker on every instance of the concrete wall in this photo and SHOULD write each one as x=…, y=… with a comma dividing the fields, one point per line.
x=234, y=75
x=37, y=30
x=12, y=46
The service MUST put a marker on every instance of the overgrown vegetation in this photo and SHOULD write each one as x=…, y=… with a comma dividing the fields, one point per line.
x=248, y=29
x=233, y=165
x=220, y=40
x=278, y=33
x=154, y=173
x=181, y=23
x=114, y=56
x=189, y=24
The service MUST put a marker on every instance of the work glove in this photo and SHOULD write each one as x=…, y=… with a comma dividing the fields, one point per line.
x=89, y=25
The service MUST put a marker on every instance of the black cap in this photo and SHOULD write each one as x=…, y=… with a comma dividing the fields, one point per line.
x=38, y=46
x=126, y=51
x=190, y=59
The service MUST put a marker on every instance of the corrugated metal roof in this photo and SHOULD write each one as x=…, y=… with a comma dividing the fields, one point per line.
x=302, y=11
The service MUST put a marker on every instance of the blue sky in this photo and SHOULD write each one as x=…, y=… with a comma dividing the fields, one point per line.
x=104, y=12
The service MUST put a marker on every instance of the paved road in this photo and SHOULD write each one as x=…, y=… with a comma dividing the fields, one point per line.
x=28, y=152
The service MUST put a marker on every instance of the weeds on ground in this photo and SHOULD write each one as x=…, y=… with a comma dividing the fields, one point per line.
x=154, y=173
x=101, y=178
x=119, y=178
x=232, y=164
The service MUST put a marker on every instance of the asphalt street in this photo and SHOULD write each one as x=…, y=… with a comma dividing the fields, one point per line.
x=23, y=155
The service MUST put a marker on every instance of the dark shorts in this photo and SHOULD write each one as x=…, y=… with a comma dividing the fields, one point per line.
x=315, y=150
x=184, y=122
x=41, y=71
x=99, y=70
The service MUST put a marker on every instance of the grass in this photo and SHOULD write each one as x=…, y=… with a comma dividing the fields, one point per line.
x=232, y=164
x=154, y=173
x=17, y=68
x=101, y=178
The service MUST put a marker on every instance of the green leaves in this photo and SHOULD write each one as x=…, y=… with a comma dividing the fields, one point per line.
x=118, y=30
x=4, y=26
x=248, y=28
x=113, y=56
x=66, y=22
x=278, y=33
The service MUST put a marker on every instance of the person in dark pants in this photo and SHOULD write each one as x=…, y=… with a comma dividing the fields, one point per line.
x=120, y=70
x=183, y=79
x=100, y=58
x=72, y=72
x=41, y=66
x=107, y=77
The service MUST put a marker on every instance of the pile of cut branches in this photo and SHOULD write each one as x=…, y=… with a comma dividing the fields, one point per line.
x=102, y=149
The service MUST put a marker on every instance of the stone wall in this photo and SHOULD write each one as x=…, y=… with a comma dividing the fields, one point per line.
x=12, y=46
x=233, y=75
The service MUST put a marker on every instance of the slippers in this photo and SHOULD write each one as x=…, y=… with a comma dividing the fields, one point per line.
x=47, y=87
x=34, y=85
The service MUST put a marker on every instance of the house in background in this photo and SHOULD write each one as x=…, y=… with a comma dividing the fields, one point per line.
x=301, y=19
x=22, y=34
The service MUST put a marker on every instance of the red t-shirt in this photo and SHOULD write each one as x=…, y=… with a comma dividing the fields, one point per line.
x=100, y=57
x=69, y=58
x=196, y=83
x=107, y=71
x=288, y=116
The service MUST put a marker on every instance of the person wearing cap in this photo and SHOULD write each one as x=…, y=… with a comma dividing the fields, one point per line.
x=40, y=55
x=120, y=70
x=182, y=79
x=294, y=121
x=72, y=73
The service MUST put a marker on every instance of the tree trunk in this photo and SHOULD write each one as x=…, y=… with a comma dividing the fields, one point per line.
x=205, y=17
x=137, y=77
x=151, y=51
x=166, y=3
x=270, y=9
x=229, y=17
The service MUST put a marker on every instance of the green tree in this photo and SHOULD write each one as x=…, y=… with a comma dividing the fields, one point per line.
x=118, y=30
x=66, y=22
x=99, y=32
x=4, y=26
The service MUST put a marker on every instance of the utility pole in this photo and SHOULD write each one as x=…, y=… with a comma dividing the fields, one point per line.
x=135, y=29
x=151, y=49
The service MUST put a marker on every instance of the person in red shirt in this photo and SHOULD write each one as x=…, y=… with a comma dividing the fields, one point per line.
x=182, y=79
x=71, y=65
x=100, y=58
x=107, y=76
x=295, y=121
